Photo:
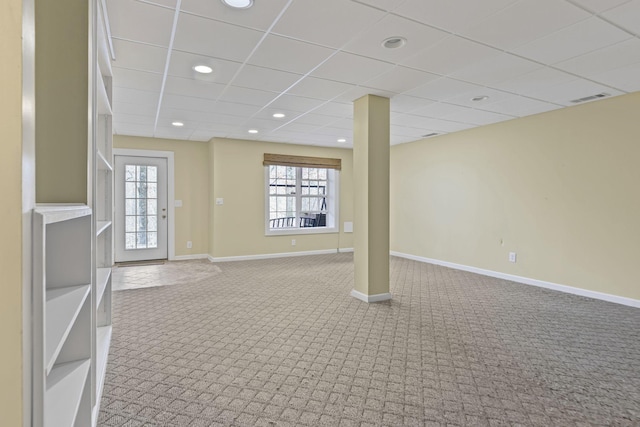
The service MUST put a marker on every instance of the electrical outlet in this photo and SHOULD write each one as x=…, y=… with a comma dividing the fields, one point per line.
x=293, y=242
x=512, y=257
x=189, y=244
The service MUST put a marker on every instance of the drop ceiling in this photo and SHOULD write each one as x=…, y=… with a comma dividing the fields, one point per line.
x=311, y=59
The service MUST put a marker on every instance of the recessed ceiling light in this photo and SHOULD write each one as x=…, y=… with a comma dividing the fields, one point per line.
x=278, y=115
x=480, y=98
x=342, y=140
x=238, y=4
x=177, y=124
x=203, y=69
x=394, y=42
x=253, y=131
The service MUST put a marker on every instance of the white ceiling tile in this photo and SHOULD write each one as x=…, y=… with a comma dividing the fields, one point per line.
x=255, y=77
x=624, y=78
x=520, y=106
x=182, y=64
x=451, y=15
x=195, y=88
x=220, y=123
x=336, y=133
x=137, y=56
x=439, y=110
x=208, y=106
x=259, y=16
x=531, y=84
x=525, y=21
x=329, y=22
x=262, y=125
x=141, y=22
x=135, y=96
x=495, y=68
x=312, y=87
x=282, y=53
x=349, y=68
x=315, y=119
x=335, y=109
x=171, y=114
x=165, y=3
x=387, y=5
x=121, y=109
x=576, y=89
x=345, y=124
x=626, y=15
x=358, y=92
x=450, y=54
x=600, y=5
x=419, y=36
x=406, y=103
x=580, y=38
x=267, y=113
x=247, y=96
x=605, y=59
x=466, y=99
x=211, y=38
x=298, y=127
x=136, y=119
x=300, y=104
x=134, y=79
x=443, y=88
x=478, y=117
x=400, y=79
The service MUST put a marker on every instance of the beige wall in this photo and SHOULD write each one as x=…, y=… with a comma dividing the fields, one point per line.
x=191, y=186
x=62, y=131
x=238, y=177
x=558, y=188
x=11, y=214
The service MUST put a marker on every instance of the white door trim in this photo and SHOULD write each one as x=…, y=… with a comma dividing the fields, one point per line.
x=171, y=232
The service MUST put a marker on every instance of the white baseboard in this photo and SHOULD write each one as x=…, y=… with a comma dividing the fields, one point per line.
x=525, y=280
x=345, y=250
x=370, y=298
x=269, y=256
x=187, y=257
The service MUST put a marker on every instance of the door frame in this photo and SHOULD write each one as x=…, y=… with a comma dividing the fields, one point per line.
x=168, y=155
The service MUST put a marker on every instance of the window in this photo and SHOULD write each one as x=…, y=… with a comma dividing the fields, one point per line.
x=300, y=199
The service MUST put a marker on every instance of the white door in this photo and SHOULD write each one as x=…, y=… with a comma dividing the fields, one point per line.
x=141, y=208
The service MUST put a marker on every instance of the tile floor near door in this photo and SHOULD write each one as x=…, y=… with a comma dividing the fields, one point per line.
x=281, y=343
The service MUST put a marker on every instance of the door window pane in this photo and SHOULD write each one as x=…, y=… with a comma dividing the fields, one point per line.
x=141, y=209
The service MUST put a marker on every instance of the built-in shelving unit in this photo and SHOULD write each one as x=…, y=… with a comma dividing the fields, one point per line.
x=73, y=228
x=62, y=347
x=103, y=207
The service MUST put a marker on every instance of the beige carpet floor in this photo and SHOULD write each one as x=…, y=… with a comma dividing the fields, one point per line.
x=281, y=343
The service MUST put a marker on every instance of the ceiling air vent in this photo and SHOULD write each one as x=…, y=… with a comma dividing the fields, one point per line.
x=429, y=135
x=589, y=98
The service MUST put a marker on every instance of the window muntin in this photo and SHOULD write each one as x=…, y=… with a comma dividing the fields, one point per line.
x=141, y=207
x=301, y=198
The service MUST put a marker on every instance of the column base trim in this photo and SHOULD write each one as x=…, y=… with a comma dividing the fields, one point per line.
x=370, y=298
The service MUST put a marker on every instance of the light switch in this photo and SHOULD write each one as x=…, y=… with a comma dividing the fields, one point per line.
x=219, y=201
x=348, y=227
x=178, y=203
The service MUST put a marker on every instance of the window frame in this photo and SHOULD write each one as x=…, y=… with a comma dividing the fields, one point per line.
x=333, y=199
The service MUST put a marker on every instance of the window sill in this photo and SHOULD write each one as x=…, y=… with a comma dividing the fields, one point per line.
x=303, y=230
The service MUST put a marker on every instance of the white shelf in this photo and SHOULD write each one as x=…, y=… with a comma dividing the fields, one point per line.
x=102, y=278
x=104, y=105
x=103, y=340
x=65, y=385
x=53, y=213
x=62, y=308
x=101, y=226
x=103, y=163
